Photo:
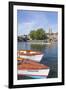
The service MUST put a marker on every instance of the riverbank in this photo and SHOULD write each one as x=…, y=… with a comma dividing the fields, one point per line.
x=40, y=42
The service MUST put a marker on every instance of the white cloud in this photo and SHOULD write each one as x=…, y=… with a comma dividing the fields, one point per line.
x=25, y=28
x=39, y=21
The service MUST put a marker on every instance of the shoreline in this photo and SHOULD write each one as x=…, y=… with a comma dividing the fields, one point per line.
x=42, y=42
x=38, y=42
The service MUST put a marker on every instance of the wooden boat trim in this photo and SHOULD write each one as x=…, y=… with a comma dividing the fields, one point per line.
x=28, y=52
x=27, y=64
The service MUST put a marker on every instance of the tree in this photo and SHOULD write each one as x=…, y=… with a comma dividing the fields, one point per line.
x=38, y=34
x=33, y=34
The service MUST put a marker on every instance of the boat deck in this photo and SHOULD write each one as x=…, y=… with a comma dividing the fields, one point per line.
x=26, y=64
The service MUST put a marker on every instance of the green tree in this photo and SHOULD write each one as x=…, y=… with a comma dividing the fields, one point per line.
x=38, y=34
x=33, y=34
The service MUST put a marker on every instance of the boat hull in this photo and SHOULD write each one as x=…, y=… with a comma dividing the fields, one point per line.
x=32, y=76
x=36, y=58
x=43, y=73
x=29, y=54
x=38, y=77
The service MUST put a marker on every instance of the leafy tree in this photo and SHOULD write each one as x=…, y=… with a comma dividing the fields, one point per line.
x=33, y=34
x=38, y=34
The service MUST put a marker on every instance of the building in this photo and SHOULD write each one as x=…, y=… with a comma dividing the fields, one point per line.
x=53, y=36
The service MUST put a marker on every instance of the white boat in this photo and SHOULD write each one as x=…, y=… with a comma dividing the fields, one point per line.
x=29, y=54
x=32, y=69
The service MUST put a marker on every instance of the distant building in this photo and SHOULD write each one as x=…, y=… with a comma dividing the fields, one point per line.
x=52, y=35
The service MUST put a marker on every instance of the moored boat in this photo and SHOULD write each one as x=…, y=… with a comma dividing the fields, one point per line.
x=29, y=54
x=32, y=69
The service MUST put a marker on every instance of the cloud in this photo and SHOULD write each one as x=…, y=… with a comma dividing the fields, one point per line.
x=33, y=20
x=25, y=28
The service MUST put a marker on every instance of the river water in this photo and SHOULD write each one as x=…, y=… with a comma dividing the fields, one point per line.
x=50, y=57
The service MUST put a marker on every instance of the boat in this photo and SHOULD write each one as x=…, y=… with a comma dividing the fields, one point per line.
x=32, y=69
x=29, y=54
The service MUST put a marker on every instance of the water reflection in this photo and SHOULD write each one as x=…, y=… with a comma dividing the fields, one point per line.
x=38, y=47
x=23, y=45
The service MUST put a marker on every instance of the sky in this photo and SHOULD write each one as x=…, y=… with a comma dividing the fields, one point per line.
x=32, y=20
